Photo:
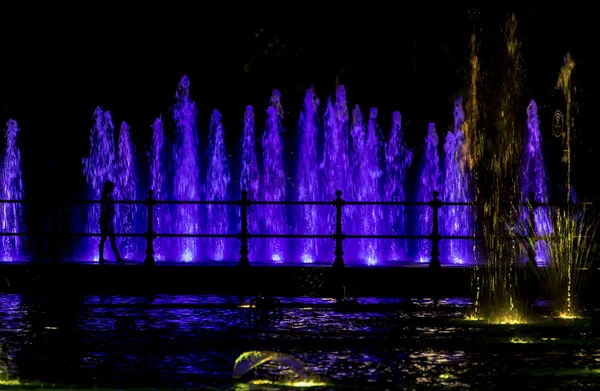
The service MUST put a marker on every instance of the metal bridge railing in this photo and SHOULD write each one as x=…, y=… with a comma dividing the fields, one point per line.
x=338, y=236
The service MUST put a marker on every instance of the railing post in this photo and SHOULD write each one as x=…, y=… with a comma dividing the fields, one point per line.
x=339, y=235
x=434, y=237
x=150, y=234
x=531, y=254
x=244, y=262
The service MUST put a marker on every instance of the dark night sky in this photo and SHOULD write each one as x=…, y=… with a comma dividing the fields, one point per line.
x=59, y=63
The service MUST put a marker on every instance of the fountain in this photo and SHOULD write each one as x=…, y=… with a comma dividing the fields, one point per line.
x=398, y=159
x=126, y=189
x=273, y=179
x=217, y=181
x=355, y=213
x=457, y=220
x=429, y=180
x=250, y=177
x=11, y=214
x=98, y=167
x=370, y=183
x=534, y=181
x=333, y=154
x=334, y=168
x=158, y=174
x=186, y=179
x=308, y=174
x=497, y=290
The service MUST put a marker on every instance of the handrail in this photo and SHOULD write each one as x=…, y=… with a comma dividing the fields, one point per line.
x=339, y=236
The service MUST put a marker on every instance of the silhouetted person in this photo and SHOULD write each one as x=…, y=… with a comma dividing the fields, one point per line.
x=107, y=221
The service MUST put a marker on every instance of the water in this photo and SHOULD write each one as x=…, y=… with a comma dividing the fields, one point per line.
x=273, y=179
x=398, y=160
x=193, y=341
x=307, y=177
x=217, y=181
x=370, y=189
x=186, y=179
x=158, y=184
x=565, y=86
x=126, y=189
x=457, y=220
x=429, y=180
x=334, y=152
x=534, y=180
x=11, y=214
x=354, y=213
x=335, y=166
x=98, y=167
x=250, y=177
x=498, y=290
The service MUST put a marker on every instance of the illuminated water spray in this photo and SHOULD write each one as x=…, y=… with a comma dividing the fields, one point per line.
x=98, y=167
x=158, y=169
x=456, y=220
x=534, y=181
x=11, y=214
x=429, y=180
x=398, y=159
x=217, y=181
x=308, y=174
x=474, y=137
x=564, y=84
x=356, y=192
x=498, y=296
x=473, y=150
x=126, y=189
x=186, y=181
x=250, y=177
x=273, y=179
x=334, y=167
x=371, y=190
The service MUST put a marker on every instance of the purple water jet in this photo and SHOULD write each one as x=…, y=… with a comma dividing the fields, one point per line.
x=429, y=179
x=308, y=174
x=335, y=168
x=398, y=160
x=126, y=189
x=355, y=192
x=456, y=220
x=11, y=214
x=273, y=179
x=217, y=181
x=370, y=184
x=98, y=167
x=158, y=173
x=186, y=180
x=250, y=176
x=533, y=179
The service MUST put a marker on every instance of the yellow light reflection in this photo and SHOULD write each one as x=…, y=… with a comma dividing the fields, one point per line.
x=520, y=340
x=297, y=383
x=568, y=315
x=9, y=383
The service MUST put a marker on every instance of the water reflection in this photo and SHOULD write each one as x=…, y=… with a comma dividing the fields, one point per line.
x=192, y=341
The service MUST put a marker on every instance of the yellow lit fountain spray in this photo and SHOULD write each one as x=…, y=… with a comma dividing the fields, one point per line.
x=473, y=146
x=496, y=288
x=572, y=250
x=564, y=84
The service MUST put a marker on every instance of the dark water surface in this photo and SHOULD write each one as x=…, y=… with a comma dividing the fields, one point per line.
x=175, y=342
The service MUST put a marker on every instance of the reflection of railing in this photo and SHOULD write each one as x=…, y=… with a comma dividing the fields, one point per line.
x=244, y=236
